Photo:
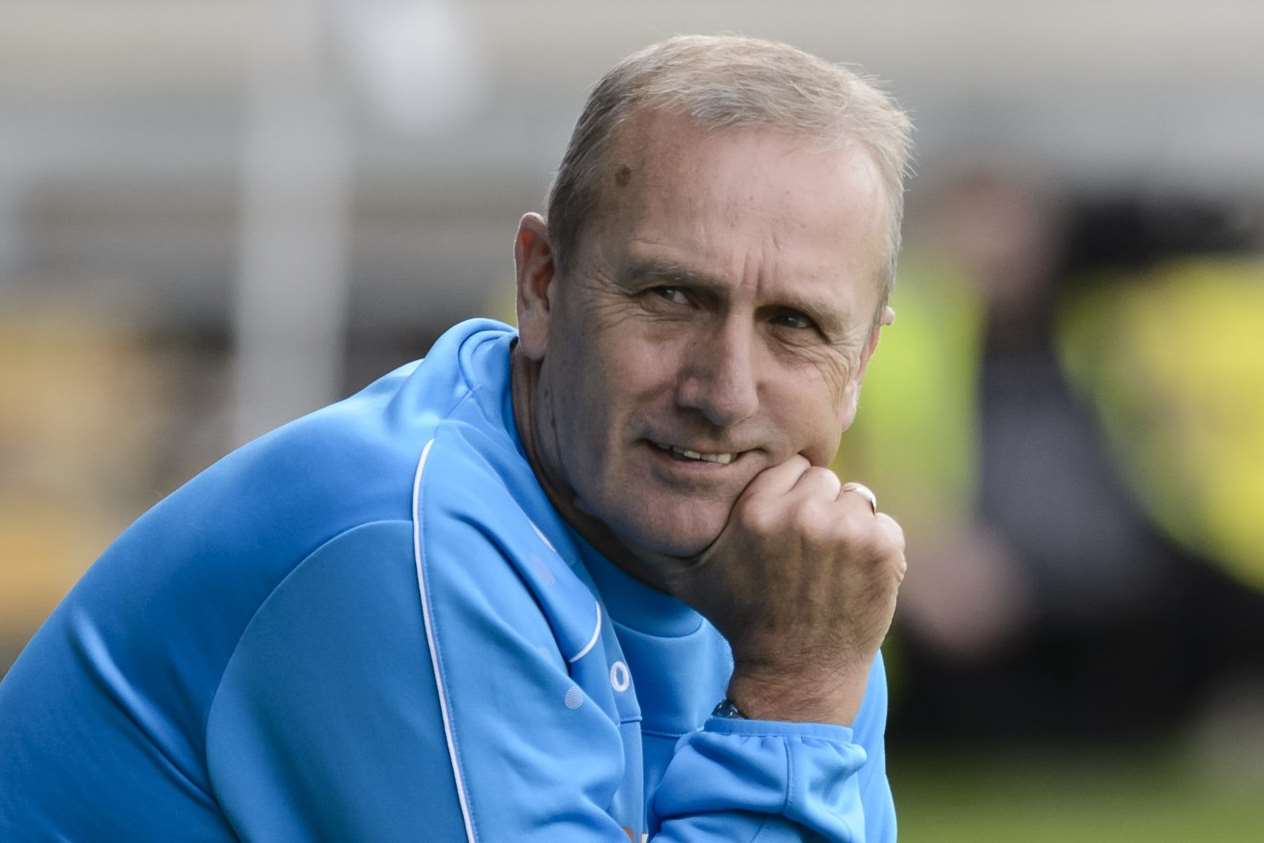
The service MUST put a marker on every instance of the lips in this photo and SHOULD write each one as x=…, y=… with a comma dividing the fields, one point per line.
x=721, y=458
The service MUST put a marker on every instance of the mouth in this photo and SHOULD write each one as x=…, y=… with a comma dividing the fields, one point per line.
x=690, y=455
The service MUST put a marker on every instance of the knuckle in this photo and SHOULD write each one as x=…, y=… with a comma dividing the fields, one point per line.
x=876, y=547
x=821, y=473
x=806, y=517
x=757, y=514
x=891, y=526
x=855, y=528
x=888, y=537
x=885, y=545
x=817, y=523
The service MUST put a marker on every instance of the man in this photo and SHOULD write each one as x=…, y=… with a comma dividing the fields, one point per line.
x=497, y=595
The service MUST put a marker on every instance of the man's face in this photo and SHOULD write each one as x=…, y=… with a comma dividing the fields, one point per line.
x=715, y=321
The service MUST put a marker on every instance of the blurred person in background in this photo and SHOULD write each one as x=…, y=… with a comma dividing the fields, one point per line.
x=1052, y=599
x=590, y=580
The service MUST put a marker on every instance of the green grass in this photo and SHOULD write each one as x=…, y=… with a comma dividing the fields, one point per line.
x=1143, y=798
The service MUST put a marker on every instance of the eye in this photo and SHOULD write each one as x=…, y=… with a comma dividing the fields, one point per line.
x=793, y=319
x=675, y=295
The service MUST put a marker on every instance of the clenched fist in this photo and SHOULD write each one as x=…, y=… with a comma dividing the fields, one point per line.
x=802, y=582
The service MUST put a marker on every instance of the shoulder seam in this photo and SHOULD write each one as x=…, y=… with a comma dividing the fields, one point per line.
x=259, y=609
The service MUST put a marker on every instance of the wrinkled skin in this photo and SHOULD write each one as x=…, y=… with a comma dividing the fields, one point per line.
x=723, y=303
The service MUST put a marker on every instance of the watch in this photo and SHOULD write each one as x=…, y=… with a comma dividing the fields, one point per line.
x=729, y=709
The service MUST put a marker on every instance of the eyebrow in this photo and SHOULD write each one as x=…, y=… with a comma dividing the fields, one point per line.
x=670, y=271
x=673, y=273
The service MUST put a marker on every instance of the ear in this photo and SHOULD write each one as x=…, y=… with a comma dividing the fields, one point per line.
x=851, y=398
x=887, y=318
x=533, y=259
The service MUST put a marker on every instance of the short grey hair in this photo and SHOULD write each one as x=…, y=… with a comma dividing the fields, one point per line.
x=723, y=82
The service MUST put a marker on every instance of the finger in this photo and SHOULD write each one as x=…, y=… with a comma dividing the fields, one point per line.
x=894, y=536
x=854, y=490
x=780, y=478
x=892, y=530
x=818, y=482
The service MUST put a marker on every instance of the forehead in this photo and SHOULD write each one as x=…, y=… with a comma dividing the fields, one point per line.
x=763, y=208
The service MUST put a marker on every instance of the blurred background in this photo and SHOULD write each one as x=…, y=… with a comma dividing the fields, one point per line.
x=216, y=216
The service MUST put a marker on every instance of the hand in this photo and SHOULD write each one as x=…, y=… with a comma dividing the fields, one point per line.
x=802, y=582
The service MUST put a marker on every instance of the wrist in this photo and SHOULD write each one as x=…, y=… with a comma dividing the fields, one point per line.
x=821, y=696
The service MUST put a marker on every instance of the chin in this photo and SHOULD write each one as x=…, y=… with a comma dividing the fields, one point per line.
x=677, y=534
x=675, y=546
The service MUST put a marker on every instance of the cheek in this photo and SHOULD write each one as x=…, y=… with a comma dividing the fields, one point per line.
x=813, y=409
x=825, y=435
x=611, y=384
x=636, y=369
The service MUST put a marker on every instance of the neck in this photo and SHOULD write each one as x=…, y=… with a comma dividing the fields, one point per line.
x=533, y=420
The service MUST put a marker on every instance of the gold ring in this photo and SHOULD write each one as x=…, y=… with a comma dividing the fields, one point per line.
x=865, y=492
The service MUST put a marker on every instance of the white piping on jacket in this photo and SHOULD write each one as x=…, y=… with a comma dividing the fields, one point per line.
x=434, y=652
x=592, y=642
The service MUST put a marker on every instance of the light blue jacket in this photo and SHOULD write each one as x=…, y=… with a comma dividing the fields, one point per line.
x=372, y=625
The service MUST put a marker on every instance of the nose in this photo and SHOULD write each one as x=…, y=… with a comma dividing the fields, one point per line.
x=719, y=378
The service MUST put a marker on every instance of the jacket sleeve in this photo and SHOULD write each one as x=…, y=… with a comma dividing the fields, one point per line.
x=325, y=724
x=340, y=717
x=780, y=781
